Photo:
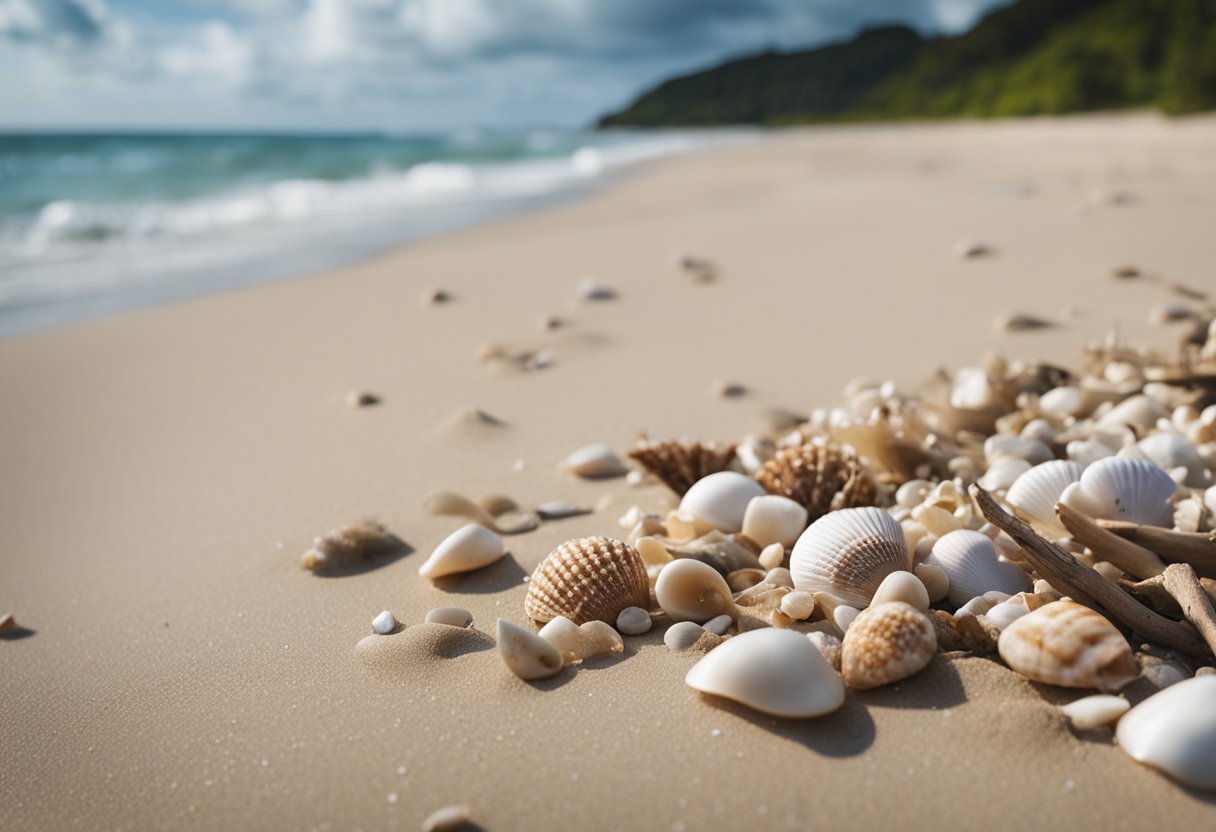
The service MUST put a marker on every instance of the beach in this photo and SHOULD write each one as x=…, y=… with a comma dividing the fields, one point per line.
x=163, y=470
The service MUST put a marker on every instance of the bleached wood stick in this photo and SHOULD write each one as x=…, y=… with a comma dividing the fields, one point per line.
x=1196, y=548
x=1182, y=583
x=1108, y=546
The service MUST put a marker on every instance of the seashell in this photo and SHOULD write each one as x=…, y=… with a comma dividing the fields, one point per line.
x=682, y=464
x=1164, y=674
x=508, y=521
x=447, y=819
x=497, y=504
x=384, y=624
x=1138, y=412
x=452, y=616
x=1134, y=490
x=843, y=616
x=776, y=672
x=1063, y=401
x=723, y=552
x=1021, y=322
x=971, y=561
x=1090, y=712
x=718, y=625
x=527, y=655
x=589, y=289
x=560, y=509
x=633, y=621
x=1170, y=313
x=902, y=586
x=720, y=500
x=968, y=249
x=1030, y=450
x=688, y=590
x=828, y=646
x=1175, y=731
x=936, y=520
x=578, y=642
x=846, y=554
x=1039, y=430
x=935, y=579
x=1066, y=644
x=588, y=579
x=595, y=461
x=1035, y=493
x=1004, y=613
x=8, y=623
x=742, y=579
x=1170, y=450
x=683, y=635
x=469, y=547
x=1003, y=473
x=886, y=643
x=772, y=556
x=753, y=452
x=798, y=605
x=653, y=552
x=777, y=576
x=774, y=519
x=348, y=546
x=1086, y=452
x=912, y=493
x=972, y=389
x=821, y=478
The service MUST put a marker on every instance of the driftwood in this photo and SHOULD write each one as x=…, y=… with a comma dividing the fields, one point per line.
x=1182, y=583
x=1153, y=593
x=1088, y=587
x=1108, y=546
x=1196, y=548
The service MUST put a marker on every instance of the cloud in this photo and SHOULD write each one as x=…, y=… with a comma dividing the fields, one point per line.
x=54, y=23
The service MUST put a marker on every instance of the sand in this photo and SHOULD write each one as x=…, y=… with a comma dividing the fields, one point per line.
x=162, y=471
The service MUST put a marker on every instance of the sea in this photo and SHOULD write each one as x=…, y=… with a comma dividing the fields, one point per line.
x=95, y=223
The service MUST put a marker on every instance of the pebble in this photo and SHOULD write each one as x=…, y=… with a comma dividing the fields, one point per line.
x=1092, y=712
x=384, y=623
x=361, y=398
x=447, y=819
x=718, y=625
x=8, y=623
x=772, y=556
x=633, y=621
x=452, y=616
x=558, y=509
x=682, y=635
x=798, y=605
x=902, y=586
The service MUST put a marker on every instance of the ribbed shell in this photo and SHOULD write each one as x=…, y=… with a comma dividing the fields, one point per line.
x=1134, y=490
x=847, y=553
x=588, y=579
x=822, y=478
x=1066, y=644
x=1034, y=494
x=974, y=567
x=680, y=464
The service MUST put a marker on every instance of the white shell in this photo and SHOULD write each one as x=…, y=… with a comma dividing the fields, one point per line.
x=452, y=616
x=772, y=556
x=1090, y=712
x=1138, y=411
x=1034, y=494
x=1134, y=490
x=469, y=547
x=1086, y=452
x=777, y=672
x=1031, y=450
x=798, y=605
x=1004, y=613
x=1003, y=473
x=527, y=655
x=1175, y=731
x=902, y=586
x=384, y=623
x=720, y=500
x=1170, y=451
x=974, y=567
x=594, y=461
x=772, y=518
x=577, y=642
x=689, y=590
x=847, y=553
x=1064, y=401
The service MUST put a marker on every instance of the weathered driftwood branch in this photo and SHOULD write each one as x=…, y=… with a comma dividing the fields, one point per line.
x=1153, y=593
x=1108, y=546
x=1196, y=548
x=1087, y=586
x=1182, y=583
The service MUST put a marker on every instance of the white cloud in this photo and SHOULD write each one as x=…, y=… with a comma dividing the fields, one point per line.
x=213, y=55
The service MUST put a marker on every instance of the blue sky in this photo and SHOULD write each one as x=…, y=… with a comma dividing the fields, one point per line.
x=410, y=65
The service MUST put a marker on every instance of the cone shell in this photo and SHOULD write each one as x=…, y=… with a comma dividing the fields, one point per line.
x=1066, y=644
x=886, y=643
x=681, y=464
x=588, y=579
x=1115, y=488
x=821, y=478
x=1175, y=731
x=846, y=554
x=971, y=561
x=1035, y=493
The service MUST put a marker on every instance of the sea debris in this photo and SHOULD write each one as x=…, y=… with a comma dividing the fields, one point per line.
x=885, y=643
x=720, y=500
x=451, y=616
x=588, y=579
x=679, y=464
x=527, y=655
x=820, y=477
x=348, y=546
x=595, y=461
x=1066, y=644
x=384, y=624
x=846, y=554
x=469, y=547
x=1175, y=731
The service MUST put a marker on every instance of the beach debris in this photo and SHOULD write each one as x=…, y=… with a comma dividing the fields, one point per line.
x=773, y=519
x=679, y=464
x=974, y=567
x=935, y=579
x=683, y=635
x=820, y=477
x=588, y=579
x=1134, y=490
x=1126, y=271
x=1090, y=712
x=1174, y=731
x=1035, y=493
x=559, y=509
x=886, y=643
x=8, y=623
x=776, y=672
x=448, y=819
x=591, y=290
x=633, y=621
x=1066, y=644
x=902, y=586
x=720, y=500
x=1124, y=555
x=1183, y=585
x=846, y=554
x=727, y=389
x=451, y=616
x=595, y=461
x=469, y=547
x=970, y=249
x=433, y=296
x=348, y=546
x=361, y=398
x=688, y=590
x=384, y=624
x=1020, y=322
x=527, y=655
x=578, y=642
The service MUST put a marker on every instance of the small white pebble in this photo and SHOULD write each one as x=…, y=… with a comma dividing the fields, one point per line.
x=718, y=625
x=392, y=797
x=384, y=623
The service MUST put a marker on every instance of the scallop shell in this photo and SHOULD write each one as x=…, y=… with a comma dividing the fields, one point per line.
x=680, y=465
x=847, y=553
x=1139, y=412
x=1175, y=731
x=689, y=590
x=821, y=478
x=720, y=500
x=971, y=561
x=1115, y=488
x=1170, y=451
x=1034, y=494
x=776, y=672
x=886, y=643
x=1066, y=644
x=588, y=579
x=469, y=547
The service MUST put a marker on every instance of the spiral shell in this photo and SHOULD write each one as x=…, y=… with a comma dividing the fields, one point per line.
x=1066, y=644
x=971, y=561
x=847, y=553
x=588, y=579
x=1035, y=493
x=1115, y=488
x=820, y=477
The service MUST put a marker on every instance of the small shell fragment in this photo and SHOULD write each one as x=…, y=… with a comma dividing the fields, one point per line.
x=633, y=621
x=527, y=655
x=1090, y=712
x=452, y=616
x=469, y=547
x=886, y=643
x=798, y=605
x=577, y=643
x=772, y=556
x=384, y=623
x=595, y=461
x=447, y=819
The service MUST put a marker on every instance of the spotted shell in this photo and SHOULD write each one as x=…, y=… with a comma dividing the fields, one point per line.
x=588, y=579
x=1066, y=644
x=847, y=553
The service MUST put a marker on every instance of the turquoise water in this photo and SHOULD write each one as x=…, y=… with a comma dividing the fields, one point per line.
x=95, y=223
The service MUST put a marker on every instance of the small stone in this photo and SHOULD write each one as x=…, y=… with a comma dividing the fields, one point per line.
x=1092, y=712
x=433, y=297
x=589, y=289
x=361, y=398
x=718, y=625
x=902, y=586
x=727, y=389
x=447, y=819
x=7, y=623
x=798, y=605
x=559, y=509
x=633, y=621
x=384, y=624
x=772, y=556
x=452, y=616
x=682, y=635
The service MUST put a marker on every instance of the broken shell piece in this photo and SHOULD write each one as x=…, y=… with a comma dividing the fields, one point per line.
x=718, y=625
x=847, y=553
x=559, y=509
x=777, y=672
x=578, y=642
x=348, y=546
x=798, y=605
x=1115, y=488
x=1066, y=644
x=902, y=586
x=469, y=547
x=683, y=635
x=720, y=500
x=971, y=561
x=886, y=643
x=452, y=616
x=588, y=579
x=935, y=579
x=1175, y=731
x=527, y=655
x=828, y=646
x=773, y=519
x=681, y=464
x=1090, y=712
x=595, y=461
x=772, y=556
x=447, y=819
x=742, y=579
x=633, y=621
x=724, y=552
x=384, y=623
x=689, y=590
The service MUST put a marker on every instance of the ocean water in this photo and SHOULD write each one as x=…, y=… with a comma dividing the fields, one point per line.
x=96, y=223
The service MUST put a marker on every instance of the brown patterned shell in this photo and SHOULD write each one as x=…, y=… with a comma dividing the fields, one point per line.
x=588, y=579
x=822, y=478
x=680, y=464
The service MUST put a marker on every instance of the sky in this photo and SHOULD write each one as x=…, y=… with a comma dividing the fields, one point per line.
x=397, y=65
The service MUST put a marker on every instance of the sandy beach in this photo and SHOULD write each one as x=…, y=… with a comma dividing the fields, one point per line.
x=162, y=470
